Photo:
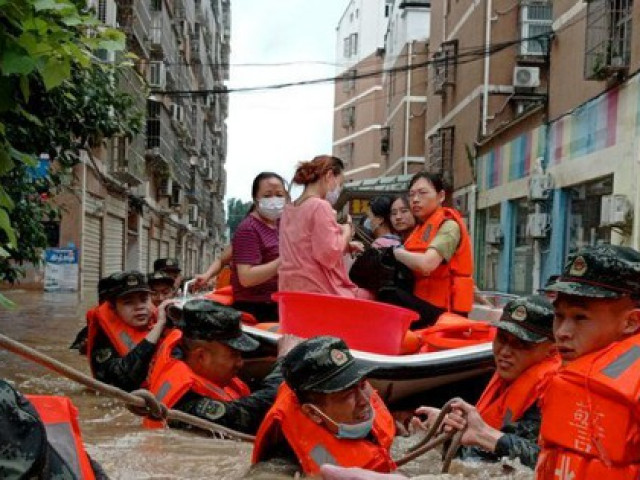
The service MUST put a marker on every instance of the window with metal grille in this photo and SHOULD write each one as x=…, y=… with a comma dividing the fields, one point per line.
x=349, y=117
x=608, y=38
x=444, y=66
x=349, y=81
x=385, y=140
x=346, y=51
x=346, y=153
x=535, y=22
x=441, y=153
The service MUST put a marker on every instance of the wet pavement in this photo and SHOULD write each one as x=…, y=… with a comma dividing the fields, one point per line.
x=115, y=437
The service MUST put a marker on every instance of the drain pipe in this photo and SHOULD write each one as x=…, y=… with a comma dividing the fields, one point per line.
x=82, y=227
x=407, y=107
x=487, y=61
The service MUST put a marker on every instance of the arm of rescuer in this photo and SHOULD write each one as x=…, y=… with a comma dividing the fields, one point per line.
x=245, y=414
x=515, y=440
x=215, y=268
x=442, y=248
x=130, y=371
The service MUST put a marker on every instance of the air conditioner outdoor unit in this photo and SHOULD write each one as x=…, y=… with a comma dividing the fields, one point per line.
x=540, y=186
x=157, y=76
x=613, y=210
x=493, y=234
x=526, y=77
x=537, y=225
x=166, y=188
x=193, y=214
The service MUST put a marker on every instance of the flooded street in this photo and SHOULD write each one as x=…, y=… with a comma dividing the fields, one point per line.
x=114, y=437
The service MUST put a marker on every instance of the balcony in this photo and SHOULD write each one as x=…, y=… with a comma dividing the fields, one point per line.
x=200, y=11
x=126, y=160
x=162, y=36
x=197, y=193
x=134, y=18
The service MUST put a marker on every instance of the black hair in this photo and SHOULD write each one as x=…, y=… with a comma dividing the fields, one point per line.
x=403, y=198
x=435, y=179
x=381, y=207
x=264, y=176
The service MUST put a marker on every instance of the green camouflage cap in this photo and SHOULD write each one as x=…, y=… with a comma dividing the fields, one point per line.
x=528, y=318
x=167, y=264
x=601, y=271
x=123, y=283
x=159, y=277
x=210, y=321
x=322, y=364
x=105, y=285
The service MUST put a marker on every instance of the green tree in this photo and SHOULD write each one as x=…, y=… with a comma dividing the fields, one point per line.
x=56, y=97
x=236, y=211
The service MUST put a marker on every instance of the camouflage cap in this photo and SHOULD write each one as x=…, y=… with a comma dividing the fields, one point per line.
x=123, y=283
x=167, y=264
x=210, y=321
x=601, y=271
x=105, y=285
x=159, y=277
x=528, y=318
x=322, y=364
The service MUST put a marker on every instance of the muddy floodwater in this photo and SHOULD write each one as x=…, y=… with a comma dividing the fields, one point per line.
x=115, y=437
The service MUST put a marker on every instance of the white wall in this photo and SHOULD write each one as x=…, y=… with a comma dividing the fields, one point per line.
x=405, y=25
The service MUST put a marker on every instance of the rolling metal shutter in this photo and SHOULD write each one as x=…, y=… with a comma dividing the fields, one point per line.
x=144, y=250
x=113, y=245
x=154, y=251
x=91, y=255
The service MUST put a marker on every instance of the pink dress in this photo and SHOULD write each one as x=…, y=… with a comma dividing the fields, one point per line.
x=311, y=251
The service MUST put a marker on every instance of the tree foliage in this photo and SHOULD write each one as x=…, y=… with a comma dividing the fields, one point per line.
x=57, y=98
x=236, y=211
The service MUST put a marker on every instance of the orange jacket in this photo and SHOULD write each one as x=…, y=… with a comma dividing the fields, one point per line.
x=591, y=416
x=502, y=403
x=314, y=445
x=60, y=418
x=171, y=379
x=450, y=286
x=123, y=337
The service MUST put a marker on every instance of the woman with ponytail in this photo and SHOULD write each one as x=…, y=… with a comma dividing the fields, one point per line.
x=312, y=243
x=255, y=247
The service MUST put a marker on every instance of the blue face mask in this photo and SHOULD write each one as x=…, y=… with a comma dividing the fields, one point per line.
x=350, y=431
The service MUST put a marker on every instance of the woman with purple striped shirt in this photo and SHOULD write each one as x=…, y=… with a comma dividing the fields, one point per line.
x=255, y=247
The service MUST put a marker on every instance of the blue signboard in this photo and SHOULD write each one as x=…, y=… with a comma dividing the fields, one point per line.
x=61, y=269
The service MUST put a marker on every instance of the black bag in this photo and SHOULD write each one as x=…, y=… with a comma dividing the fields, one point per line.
x=376, y=269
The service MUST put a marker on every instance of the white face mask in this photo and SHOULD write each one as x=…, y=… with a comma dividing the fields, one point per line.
x=271, y=207
x=333, y=195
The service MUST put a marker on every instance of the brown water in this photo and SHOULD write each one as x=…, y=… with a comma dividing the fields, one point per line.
x=114, y=437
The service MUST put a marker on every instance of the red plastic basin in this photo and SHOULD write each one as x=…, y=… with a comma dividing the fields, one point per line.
x=364, y=325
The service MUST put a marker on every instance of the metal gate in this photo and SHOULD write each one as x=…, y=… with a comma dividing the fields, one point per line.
x=144, y=250
x=91, y=255
x=113, y=245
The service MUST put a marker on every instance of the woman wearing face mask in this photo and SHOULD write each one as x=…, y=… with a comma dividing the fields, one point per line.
x=378, y=224
x=400, y=217
x=255, y=247
x=439, y=253
x=312, y=243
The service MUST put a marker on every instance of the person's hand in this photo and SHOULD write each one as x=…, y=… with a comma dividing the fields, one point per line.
x=331, y=472
x=162, y=310
x=356, y=247
x=477, y=433
x=201, y=280
x=286, y=343
x=417, y=424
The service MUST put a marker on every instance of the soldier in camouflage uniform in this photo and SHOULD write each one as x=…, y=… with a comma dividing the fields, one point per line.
x=25, y=450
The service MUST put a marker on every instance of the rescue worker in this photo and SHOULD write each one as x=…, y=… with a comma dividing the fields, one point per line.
x=590, y=410
x=162, y=287
x=122, y=337
x=171, y=267
x=326, y=412
x=196, y=369
x=40, y=438
x=506, y=419
x=439, y=252
x=80, y=342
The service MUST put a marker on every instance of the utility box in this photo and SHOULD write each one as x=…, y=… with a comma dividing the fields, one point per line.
x=540, y=186
x=537, y=225
x=613, y=210
x=493, y=234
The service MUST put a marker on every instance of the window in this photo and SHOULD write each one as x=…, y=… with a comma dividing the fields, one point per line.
x=387, y=8
x=354, y=44
x=584, y=220
x=521, y=278
x=608, y=38
x=444, y=66
x=441, y=153
x=346, y=153
x=346, y=52
x=349, y=81
x=535, y=20
x=385, y=140
x=349, y=117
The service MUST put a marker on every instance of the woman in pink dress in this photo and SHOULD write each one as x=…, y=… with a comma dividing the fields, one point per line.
x=312, y=243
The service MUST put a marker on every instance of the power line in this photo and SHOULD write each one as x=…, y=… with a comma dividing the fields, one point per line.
x=474, y=54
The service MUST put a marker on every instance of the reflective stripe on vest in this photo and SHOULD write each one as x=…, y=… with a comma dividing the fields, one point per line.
x=322, y=456
x=60, y=437
x=621, y=364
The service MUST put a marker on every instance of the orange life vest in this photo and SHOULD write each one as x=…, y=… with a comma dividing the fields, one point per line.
x=314, y=445
x=504, y=402
x=450, y=286
x=123, y=337
x=60, y=418
x=170, y=379
x=591, y=417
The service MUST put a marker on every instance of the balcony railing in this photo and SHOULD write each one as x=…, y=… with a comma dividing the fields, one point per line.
x=134, y=19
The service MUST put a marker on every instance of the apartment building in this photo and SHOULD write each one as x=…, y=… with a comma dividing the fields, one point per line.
x=402, y=141
x=359, y=97
x=159, y=194
x=540, y=138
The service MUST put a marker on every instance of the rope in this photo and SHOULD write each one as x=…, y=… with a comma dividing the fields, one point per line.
x=431, y=441
x=140, y=402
